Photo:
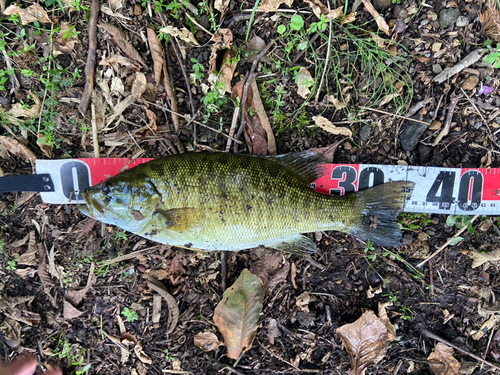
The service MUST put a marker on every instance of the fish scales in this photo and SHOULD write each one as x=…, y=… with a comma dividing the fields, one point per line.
x=232, y=202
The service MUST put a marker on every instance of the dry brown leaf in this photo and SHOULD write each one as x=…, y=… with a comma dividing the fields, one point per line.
x=30, y=14
x=143, y=357
x=382, y=25
x=183, y=34
x=2, y=5
x=119, y=39
x=47, y=149
x=237, y=314
x=221, y=5
x=70, y=312
x=139, y=85
x=151, y=127
x=157, y=54
x=264, y=120
x=24, y=273
x=442, y=362
x=116, y=59
x=273, y=5
x=18, y=149
x=173, y=309
x=66, y=40
x=222, y=39
x=206, y=341
x=255, y=46
x=365, y=340
x=228, y=67
x=12, y=331
x=28, y=258
x=305, y=80
x=328, y=126
x=481, y=258
x=338, y=104
x=18, y=109
x=490, y=21
x=43, y=274
x=350, y=18
x=270, y=266
x=319, y=9
x=156, y=314
x=382, y=314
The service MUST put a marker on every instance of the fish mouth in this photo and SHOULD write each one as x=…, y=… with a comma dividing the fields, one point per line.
x=92, y=208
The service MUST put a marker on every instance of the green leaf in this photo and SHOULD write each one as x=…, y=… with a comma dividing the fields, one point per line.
x=492, y=57
x=302, y=46
x=497, y=65
x=281, y=29
x=237, y=315
x=297, y=22
x=456, y=241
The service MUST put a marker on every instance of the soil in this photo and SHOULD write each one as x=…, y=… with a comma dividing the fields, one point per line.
x=448, y=298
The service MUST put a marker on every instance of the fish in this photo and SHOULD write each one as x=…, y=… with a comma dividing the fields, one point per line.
x=231, y=202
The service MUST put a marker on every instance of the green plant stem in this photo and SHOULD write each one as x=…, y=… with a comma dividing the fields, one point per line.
x=252, y=16
x=316, y=98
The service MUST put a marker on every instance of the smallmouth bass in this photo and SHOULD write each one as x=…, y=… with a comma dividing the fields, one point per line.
x=221, y=201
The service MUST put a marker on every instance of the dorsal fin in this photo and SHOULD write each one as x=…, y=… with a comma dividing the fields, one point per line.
x=305, y=164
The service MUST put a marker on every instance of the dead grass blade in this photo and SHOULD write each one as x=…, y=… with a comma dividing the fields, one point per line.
x=382, y=25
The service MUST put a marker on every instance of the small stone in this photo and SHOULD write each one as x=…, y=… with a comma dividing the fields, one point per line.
x=347, y=146
x=448, y=17
x=424, y=153
x=137, y=10
x=435, y=125
x=411, y=134
x=381, y=4
x=365, y=132
x=400, y=12
x=436, y=68
x=436, y=46
x=470, y=83
x=462, y=21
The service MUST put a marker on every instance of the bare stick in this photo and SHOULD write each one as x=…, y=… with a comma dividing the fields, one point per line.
x=233, y=127
x=417, y=107
x=91, y=58
x=181, y=64
x=447, y=243
x=245, y=92
x=466, y=352
x=327, y=61
x=223, y=270
x=95, y=136
x=394, y=115
x=447, y=122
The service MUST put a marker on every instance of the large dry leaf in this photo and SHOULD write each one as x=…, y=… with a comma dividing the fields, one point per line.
x=43, y=274
x=183, y=34
x=442, y=362
x=382, y=314
x=119, y=39
x=18, y=149
x=228, y=67
x=382, y=25
x=70, y=312
x=481, y=258
x=327, y=125
x=116, y=59
x=19, y=110
x=173, y=309
x=222, y=39
x=365, y=340
x=237, y=315
x=12, y=331
x=319, y=9
x=157, y=54
x=264, y=120
x=30, y=14
x=273, y=5
x=206, y=341
x=304, y=81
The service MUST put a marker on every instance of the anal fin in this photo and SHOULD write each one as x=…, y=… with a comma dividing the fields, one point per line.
x=297, y=244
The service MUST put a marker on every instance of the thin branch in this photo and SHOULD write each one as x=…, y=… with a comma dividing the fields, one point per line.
x=91, y=58
x=327, y=61
x=394, y=115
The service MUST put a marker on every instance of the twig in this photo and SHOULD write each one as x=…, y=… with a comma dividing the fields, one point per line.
x=95, y=135
x=228, y=368
x=437, y=108
x=91, y=58
x=447, y=243
x=236, y=112
x=417, y=107
x=278, y=357
x=431, y=277
x=197, y=24
x=447, y=122
x=185, y=118
x=466, y=352
x=183, y=69
x=394, y=115
x=223, y=271
x=299, y=55
x=127, y=256
x=245, y=92
x=327, y=60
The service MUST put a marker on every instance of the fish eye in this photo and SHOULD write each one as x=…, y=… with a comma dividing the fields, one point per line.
x=105, y=189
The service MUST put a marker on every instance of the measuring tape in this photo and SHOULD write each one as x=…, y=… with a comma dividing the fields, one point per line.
x=457, y=191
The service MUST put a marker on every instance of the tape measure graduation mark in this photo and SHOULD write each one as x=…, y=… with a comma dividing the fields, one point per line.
x=438, y=190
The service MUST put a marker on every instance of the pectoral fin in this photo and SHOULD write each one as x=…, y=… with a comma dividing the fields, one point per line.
x=298, y=245
x=179, y=219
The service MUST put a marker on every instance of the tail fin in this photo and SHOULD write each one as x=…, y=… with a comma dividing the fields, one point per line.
x=382, y=205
